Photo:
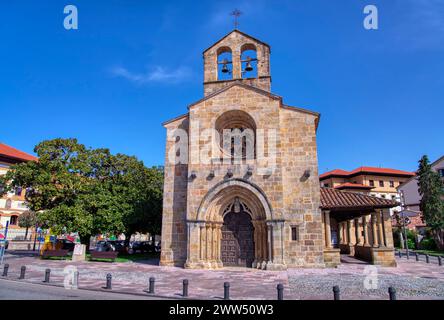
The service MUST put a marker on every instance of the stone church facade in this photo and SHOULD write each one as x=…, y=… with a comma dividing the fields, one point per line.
x=261, y=209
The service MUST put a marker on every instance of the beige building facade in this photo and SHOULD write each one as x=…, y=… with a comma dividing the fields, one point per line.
x=241, y=171
x=12, y=204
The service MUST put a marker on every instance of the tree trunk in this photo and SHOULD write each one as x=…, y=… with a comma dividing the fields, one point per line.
x=127, y=239
x=439, y=238
x=26, y=233
x=86, y=240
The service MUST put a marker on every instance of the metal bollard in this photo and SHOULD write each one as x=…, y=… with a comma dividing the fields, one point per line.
x=400, y=254
x=392, y=293
x=109, y=278
x=5, y=270
x=336, y=293
x=226, y=291
x=280, y=291
x=47, y=274
x=185, y=288
x=407, y=253
x=151, y=287
x=417, y=256
x=22, y=272
x=440, y=260
x=427, y=258
x=75, y=280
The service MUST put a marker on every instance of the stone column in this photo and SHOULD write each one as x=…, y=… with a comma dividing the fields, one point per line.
x=380, y=229
x=374, y=231
x=341, y=232
x=203, y=240
x=327, y=229
x=387, y=222
x=265, y=251
x=193, y=248
x=214, y=244
x=357, y=235
x=348, y=232
x=364, y=226
x=270, y=242
x=208, y=242
x=256, y=242
x=218, y=244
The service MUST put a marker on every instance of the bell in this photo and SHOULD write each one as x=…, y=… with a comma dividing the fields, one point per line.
x=225, y=68
x=248, y=67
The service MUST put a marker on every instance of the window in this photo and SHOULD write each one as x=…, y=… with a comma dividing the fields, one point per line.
x=383, y=196
x=294, y=233
x=372, y=183
x=237, y=131
x=225, y=64
x=392, y=184
x=400, y=182
x=441, y=172
x=381, y=183
x=248, y=61
x=326, y=185
x=393, y=197
x=8, y=204
x=13, y=220
x=18, y=191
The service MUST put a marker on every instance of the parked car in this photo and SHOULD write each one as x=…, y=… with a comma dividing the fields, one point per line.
x=139, y=246
x=111, y=245
x=66, y=244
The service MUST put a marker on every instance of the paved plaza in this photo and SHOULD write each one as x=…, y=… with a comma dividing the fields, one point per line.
x=412, y=280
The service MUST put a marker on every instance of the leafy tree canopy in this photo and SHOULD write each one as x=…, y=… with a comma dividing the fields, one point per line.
x=90, y=191
x=431, y=189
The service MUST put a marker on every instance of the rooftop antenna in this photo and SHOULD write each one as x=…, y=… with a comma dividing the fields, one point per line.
x=236, y=14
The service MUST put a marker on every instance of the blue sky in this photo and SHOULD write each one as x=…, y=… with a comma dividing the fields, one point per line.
x=133, y=64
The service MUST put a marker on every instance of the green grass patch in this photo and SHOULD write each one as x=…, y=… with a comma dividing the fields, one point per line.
x=123, y=257
x=430, y=252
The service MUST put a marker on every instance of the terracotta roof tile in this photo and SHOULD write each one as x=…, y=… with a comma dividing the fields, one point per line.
x=349, y=185
x=369, y=170
x=337, y=199
x=11, y=152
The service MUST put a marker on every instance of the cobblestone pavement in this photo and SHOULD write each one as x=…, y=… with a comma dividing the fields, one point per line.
x=412, y=280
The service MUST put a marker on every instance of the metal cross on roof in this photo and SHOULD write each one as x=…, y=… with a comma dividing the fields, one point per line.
x=236, y=13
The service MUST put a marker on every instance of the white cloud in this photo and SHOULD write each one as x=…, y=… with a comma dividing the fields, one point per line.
x=157, y=74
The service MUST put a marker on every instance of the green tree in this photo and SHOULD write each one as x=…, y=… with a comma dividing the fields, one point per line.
x=431, y=190
x=27, y=220
x=90, y=191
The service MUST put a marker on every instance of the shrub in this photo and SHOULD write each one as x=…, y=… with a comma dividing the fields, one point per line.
x=427, y=244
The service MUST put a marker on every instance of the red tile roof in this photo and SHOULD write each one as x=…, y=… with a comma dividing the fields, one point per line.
x=11, y=152
x=333, y=199
x=349, y=185
x=336, y=172
x=368, y=170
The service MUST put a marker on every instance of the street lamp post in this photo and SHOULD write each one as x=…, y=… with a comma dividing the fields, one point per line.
x=403, y=225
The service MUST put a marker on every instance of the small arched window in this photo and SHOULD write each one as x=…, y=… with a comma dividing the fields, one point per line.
x=249, y=61
x=8, y=204
x=237, y=135
x=224, y=64
x=13, y=220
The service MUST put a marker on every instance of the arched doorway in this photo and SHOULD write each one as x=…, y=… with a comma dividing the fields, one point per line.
x=231, y=228
x=237, y=243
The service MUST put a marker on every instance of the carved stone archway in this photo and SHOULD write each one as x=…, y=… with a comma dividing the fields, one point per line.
x=205, y=233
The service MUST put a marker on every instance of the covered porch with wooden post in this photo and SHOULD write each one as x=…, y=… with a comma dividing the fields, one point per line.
x=361, y=226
